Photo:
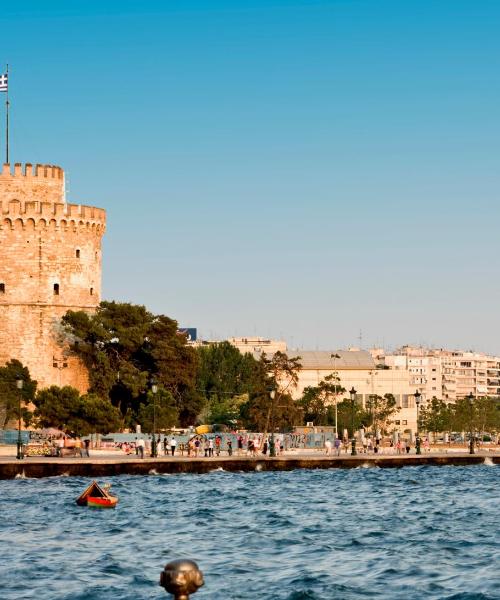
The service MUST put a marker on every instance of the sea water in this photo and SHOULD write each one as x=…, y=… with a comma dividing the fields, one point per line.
x=402, y=534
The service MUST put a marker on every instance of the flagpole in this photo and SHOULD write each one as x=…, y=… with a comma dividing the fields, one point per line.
x=7, y=103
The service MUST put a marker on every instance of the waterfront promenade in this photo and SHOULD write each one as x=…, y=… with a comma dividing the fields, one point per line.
x=104, y=464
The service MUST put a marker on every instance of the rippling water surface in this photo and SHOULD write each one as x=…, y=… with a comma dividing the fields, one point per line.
x=405, y=534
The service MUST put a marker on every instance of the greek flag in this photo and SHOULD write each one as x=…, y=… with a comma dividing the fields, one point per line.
x=3, y=82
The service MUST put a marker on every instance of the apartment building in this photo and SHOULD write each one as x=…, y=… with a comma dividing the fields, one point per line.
x=448, y=374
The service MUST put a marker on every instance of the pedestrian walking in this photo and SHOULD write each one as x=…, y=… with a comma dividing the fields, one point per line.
x=229, y=447
x=173, y=445
x=140, y=446
x=78, y=447
x=210, y=447
x=328, y=447
x=86, y=444
x=338, y=445
x=60, y=446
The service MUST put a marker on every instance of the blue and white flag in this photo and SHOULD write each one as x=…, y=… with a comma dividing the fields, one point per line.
x=3, y=82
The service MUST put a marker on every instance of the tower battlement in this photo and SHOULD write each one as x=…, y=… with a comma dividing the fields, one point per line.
x=44, y=214
x=44, y=183
x=30, y=170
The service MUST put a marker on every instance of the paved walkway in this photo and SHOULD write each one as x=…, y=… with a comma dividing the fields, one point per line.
x=110, y=465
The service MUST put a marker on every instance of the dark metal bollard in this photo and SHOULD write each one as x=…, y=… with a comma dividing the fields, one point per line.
x=181, y=578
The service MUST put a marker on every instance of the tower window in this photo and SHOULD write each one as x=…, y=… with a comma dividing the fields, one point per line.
x=77, y=252
x=91, y=291
x=2, y=288
x=56, y=289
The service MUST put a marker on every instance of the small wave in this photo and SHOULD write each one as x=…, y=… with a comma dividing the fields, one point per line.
x=21, y=475
x=217, y=470
x=488, y=462
x=368, y=465
x=152, y=472
x=258, y=467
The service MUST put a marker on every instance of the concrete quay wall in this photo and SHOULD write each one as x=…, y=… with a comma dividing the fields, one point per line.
x=95, y=468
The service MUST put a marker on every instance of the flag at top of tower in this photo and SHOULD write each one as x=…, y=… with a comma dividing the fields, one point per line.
x=3, y=82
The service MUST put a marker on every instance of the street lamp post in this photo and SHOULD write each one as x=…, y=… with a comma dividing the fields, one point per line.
x=417, y=439
x=154, y=449
x=352, y=391
x=470, y=398
x=272, y=446
x=335, y=356
x=20, y=453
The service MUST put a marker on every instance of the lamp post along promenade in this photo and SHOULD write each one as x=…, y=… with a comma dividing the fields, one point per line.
x=470, y=398
x=417, y=437
x=352, y=392
x=335, y=356
x=154, y=449
x=20, y=453
x=272, y=446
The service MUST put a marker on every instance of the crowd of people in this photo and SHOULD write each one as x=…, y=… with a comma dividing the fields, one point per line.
x=206, y=446
x=369, y=445
x=231, y=444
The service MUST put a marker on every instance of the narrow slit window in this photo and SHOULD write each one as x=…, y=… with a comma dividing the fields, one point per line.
x=77, y=253
x=56, y=289
x=2, y=288
x=91, y=291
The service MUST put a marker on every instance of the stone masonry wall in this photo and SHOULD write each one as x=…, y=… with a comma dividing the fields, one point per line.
x=50, y=262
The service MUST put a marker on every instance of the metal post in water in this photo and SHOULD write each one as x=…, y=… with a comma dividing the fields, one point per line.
x=181, y=578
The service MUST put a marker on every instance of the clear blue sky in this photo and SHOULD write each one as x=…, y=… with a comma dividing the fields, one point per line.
x=297, y=169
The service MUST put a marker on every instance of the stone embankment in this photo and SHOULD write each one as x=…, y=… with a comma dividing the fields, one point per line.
x=91, y=467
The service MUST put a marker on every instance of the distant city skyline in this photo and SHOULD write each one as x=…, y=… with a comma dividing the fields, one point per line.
x=290, y=169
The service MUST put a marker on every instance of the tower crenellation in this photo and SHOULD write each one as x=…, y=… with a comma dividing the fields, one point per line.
x=50, y=262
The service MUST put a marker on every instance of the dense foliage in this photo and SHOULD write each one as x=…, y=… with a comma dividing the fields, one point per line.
x=65, y=409
x=237, y=388
x=123, y=346
x=481, y=415
x=11, y=398
x=318, y=402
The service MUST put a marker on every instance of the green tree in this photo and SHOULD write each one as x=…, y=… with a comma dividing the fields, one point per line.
x=279, y=374
x=480, y=416
x=65, y=409
x=123, y=345
x=161, y=409
x=99, y=415
x=487, y=414
x=10, y=394
x=258, y=415
x=316, y=401
x=228, y=379
x=379, y=410
x=57, y=407
x=347, y=415
x=226, y=410
x=435, y=416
